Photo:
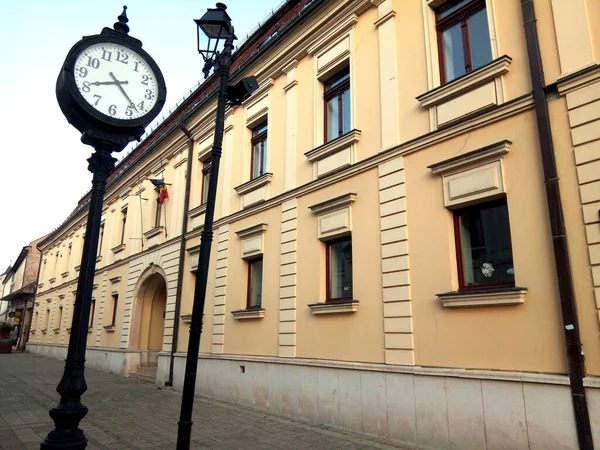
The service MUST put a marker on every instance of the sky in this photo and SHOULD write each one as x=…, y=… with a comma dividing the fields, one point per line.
x=43, y=163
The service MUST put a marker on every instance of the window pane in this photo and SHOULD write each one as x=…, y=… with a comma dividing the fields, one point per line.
x=256, y=160
x=448, y=9
x=333, y=128
x=346, y=111
x=263, y=167
x=337, y=79
x=486, y=246
x=255, y=283
x=479, y=39
x=259, y=129
x=454, y=58
x=340, y=270
x=205, y=182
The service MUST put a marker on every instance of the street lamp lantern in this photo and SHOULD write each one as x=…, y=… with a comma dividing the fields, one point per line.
x=215, y=24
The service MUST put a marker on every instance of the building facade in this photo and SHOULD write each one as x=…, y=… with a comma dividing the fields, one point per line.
x=383, y=259
x=19, y=285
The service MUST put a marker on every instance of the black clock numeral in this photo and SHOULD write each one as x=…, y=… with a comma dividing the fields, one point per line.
x=140, y=105
x=106, y=56
x=145, y=79
x=123, y=57
x=129, y=111
x=97, y=97
x=86, y=86
x=112, y=110
x=135, y=66
x=94, y=63
x=148, y=95
x=82, y=72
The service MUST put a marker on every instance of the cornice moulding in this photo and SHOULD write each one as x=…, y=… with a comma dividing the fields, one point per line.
x=337, y=32
x=469, y=159
x=334, y=146
x=254, y=184
x=252, y=231
x=334, y=203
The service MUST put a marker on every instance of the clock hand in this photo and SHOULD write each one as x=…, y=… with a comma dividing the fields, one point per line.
x=98, y=83
x=118, y=83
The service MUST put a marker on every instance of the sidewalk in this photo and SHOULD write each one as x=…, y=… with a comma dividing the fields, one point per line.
x=131, y=414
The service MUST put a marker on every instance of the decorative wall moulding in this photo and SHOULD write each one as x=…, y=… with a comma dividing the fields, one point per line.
x=252, y=240
x=254, y=184
x=333, y=35
x=52, y=280
x=109, y=328
x=65, y=274
x=492, y=151
x=194, y=253
x=334, y=307
x=334, y=203
x=484, y=297
x=254, y=313
x=61, y=296
x=334, y=146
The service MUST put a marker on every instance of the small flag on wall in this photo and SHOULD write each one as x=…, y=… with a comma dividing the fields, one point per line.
x=163, y=193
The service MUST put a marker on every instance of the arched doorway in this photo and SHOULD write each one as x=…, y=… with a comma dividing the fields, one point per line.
x=147, y=328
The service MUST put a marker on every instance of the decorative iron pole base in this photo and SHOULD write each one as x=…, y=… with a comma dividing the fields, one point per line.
x=69, y=412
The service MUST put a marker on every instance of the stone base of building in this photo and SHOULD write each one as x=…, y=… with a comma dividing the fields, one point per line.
x=415, y=407
x=117, y=361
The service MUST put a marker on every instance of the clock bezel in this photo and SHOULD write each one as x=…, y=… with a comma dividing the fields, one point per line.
x=68, y=75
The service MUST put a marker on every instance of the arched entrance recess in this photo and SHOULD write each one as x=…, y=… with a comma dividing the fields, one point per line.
x=148, y=315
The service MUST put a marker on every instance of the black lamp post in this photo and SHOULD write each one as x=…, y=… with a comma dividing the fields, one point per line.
x=216, y=25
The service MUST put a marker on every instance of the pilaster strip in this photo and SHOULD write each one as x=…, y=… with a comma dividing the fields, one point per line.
x=288, y=280
x=218, y=337
x=397, y=311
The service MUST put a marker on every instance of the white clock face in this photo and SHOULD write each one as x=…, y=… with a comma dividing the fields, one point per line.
x=116, y=81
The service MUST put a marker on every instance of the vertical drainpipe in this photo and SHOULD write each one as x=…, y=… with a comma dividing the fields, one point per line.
x=186, y=207
x=559, y=238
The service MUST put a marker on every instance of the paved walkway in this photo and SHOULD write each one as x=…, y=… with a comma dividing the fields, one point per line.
x=126, y=413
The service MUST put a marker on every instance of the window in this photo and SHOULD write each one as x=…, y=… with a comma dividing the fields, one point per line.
x=205, y=180
x=463, y=38
x=101, y=240
x=70, y=250
x=339, y=269
x=92, y=311
x=60, y=314
x=483, y=247
x=37, y=319
x=47, y=319
x=158, y=212
x=123, y=224
x=259, y=151
x=337, y=105
x=255, y=271
x=115, y=298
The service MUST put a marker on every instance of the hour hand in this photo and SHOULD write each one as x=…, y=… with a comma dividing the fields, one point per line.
x=98, y=83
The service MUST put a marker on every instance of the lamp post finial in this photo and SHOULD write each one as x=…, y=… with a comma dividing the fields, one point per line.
x=121, y=25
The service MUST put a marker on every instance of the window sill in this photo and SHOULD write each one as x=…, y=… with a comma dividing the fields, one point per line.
x=31, y=331
x=197, y=211
x=65, y=274
x=48, y=300
x=466, y=82
x=153, y=232
x=44, y=331
x=52, y=280
x=118, y=249
x=252, y=313
x=40, y=286
x=77, y=268
x=56, y=330
x=109, y=328
x=334, y=146
x=334, y=307
x=187, y=318
x=484, y=297
x=90, y=329
x=254, y=184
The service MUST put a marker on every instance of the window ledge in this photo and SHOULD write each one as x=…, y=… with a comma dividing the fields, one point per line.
x=253, y=313
x=31, y=331
x=187, y=318
x=153, y=232
x=48, y=300
x=334, y=146
x=254, y=184
x=484, y=297
x=52, y=280
x=77, y=268
x=118, y=249
x=44, y=331
x=90, y=329
x=40, y=286
x=65, y=274
x=334, y=307
x=466, y=82
x=195, y=212
x=109, y=328
x=56, y=330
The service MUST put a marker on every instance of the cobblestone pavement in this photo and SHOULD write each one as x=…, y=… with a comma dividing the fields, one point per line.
x=131, y=414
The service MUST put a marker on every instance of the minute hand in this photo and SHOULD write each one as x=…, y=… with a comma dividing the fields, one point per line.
x=98, y=83
x=118, y=83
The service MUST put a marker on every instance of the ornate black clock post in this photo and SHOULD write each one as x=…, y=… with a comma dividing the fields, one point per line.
x=110, y=90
